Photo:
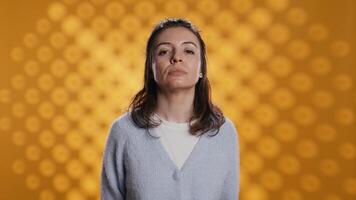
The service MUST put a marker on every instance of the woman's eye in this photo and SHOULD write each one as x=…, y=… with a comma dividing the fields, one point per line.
x=162, y=52
x=190, y=51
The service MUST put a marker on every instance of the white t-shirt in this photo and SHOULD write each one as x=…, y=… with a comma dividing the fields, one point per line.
x=176, y=139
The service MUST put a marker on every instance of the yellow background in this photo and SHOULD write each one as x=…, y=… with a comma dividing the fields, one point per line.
x=282, y=70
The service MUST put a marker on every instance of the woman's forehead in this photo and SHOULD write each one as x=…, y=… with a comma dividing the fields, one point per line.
x=179, y=35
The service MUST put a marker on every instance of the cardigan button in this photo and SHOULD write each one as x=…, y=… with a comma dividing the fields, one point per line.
x=176, y=175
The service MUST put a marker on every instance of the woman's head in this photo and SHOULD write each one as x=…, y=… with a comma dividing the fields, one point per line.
x=175, y=44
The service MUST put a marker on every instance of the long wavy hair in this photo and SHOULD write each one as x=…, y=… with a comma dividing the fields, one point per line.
x=206, y=116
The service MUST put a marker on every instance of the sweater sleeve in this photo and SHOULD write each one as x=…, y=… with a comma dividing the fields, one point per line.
x=231, y=187
x=112, y=173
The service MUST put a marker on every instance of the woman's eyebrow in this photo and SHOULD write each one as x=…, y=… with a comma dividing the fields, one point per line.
x=186, y=42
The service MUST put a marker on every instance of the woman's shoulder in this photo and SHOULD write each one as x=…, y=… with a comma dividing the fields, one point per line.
x=229, y=127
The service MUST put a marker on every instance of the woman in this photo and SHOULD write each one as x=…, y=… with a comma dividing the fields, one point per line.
x=172, y=143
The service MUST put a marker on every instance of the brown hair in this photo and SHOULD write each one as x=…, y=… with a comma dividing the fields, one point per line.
x=206, y=115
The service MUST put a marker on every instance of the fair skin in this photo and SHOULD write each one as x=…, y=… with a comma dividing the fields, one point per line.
x=176, y=48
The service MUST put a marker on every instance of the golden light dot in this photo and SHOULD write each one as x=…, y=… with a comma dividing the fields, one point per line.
x=307, y=148
x=17, y=54
x=271, y=180
x=61, y=153
x=88, y=184
x=115, y=10
x=288, y=164
x=30, y=40
x=18, y=81
x=261, y=50
x=265, y=114
x=318, y=32
x=47, y=167
x=260, y=18
x=74, y=111
x=44, y=54
x=85, y=10
x=320, y=65
x=59, y=96
x=345, y=116
x=43, y=26
x=45, y=81
x=329, y=167
x=278, y=5
x=74, y=140
x=87, y=97
x=253, y=163
x=19, y=138
x=75, y=194
x=59, y=68
x=47, y=195
x=296, y=16
x=32, y=124
x=246, y=98
x=32, y=181
x=285, y=131
x=46, y=110
x=71, y=25
x=207, y=7
x=32, y=96
x=304, y=115
x=130, y=23
x=73, y=82
x=298, y=49
x=301, y=82
x=340, y=48
x=60, y=124
x=57, y=11
x=325, y=132
x=254, y=192
x=283, y=98
x=349, y=185
x=100, y=25
x=263, y=82
x=18, y=109
x=291, y=195
x=86, y=40
x=322, y=99
x=70, y=2
x=223, y=19
x=89, y=126
x=46, y=139
x=278, y=29
x=310, y=182
x=280, y=66
x=75, y=169
x=32, y=68
x=241, y=6
x=61, y=183
x=244, y=35
x=342, y=82
x=58, y=40
x=144, y=9
x=33, y=152
x=268, y=147
x=88, y=155
x=175, y=8
x=347, y=150
x=18, y=166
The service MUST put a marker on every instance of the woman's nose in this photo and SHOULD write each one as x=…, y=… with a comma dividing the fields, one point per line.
x=176, y=57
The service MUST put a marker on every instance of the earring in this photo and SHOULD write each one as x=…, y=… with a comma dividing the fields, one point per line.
x=200, y=75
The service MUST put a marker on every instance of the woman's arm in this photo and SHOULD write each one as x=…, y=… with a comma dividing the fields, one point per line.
x=112, y=174
x=231, y=187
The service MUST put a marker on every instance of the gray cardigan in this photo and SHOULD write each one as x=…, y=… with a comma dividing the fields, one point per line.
x=136, y=166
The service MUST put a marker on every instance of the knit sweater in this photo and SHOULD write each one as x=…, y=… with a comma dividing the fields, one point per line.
x=176, y=139
x=137, y=167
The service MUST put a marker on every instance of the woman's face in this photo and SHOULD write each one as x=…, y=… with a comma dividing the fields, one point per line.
x=176, y=60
